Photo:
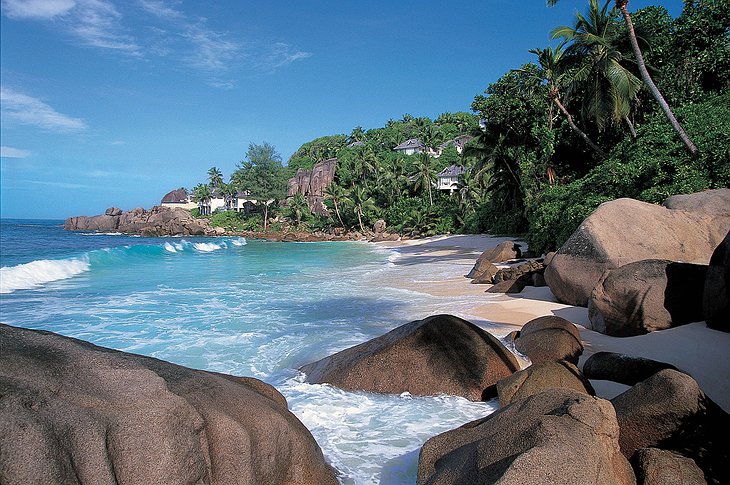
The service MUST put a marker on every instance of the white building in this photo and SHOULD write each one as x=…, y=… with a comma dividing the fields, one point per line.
x=448, y=178
x=178, y=198
x=409, y=147
x=459, y=143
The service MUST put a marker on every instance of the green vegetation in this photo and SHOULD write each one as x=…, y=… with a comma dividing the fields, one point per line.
x=627, y=105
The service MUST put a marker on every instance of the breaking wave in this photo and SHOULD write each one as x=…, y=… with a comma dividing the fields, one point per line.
x=38, y=273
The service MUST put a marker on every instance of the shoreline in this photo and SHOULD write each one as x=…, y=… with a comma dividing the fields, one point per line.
x=436, y=266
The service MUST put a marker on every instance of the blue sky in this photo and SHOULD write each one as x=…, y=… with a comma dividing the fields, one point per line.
x=111, y=102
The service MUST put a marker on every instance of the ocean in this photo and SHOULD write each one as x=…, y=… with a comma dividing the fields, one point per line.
x=243, y=307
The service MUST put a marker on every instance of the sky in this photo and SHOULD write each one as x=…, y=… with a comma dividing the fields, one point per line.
x=116, y=102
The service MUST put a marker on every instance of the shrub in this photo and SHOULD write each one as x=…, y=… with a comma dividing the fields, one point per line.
x=651, y=168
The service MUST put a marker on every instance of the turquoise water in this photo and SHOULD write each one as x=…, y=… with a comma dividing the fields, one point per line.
x=251, y=308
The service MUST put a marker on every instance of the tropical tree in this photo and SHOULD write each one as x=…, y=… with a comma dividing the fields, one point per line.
x=622, y=5
x=215, y=176
x=335, y=193
x=610, y=88
x=557, y=77
x=201, y=193
x=229, y=193
x=361, y=202
x=357, y=134
x=262, y=175
x=298, y=208
x=424, y=178
x=364, y=163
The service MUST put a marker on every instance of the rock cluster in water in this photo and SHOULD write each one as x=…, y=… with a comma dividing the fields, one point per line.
x=71, y=412
x=158, y=221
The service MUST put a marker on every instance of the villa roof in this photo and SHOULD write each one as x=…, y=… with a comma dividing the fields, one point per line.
x=356, y=144
x=458, y=142
x=412, y=143
x=177, y=196
x=452, y=171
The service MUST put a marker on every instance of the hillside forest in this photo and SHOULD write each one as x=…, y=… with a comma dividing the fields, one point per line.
x=619, y=105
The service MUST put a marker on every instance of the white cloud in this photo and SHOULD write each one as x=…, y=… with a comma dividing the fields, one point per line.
x=283, y=54
x=10, y=152
x=96, y=23
x=61, y=185
x=36, y=9
x=28, y=110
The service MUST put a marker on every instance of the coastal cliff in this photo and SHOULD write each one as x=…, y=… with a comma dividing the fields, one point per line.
x=158, y=221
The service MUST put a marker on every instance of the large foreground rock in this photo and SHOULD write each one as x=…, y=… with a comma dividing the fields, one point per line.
x=626, y=230
x=624, y=369
x=645, y=296
x=661, y=467
x=559, y=436
x=158, y=221
x=71, y=412
x=670, y=411
x=441, y=354
x=716, y=298
x=539, y=377
x=549, y=338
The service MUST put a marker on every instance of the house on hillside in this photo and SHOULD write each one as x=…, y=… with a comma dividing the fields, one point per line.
x=448, y=178
x=178, y=198
x=459, y=143
x=409, y=147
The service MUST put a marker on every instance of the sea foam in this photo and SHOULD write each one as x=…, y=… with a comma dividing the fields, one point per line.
x=36, y=273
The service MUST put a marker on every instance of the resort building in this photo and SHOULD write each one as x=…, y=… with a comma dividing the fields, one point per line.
x=243, y=202
x=459, y=143
x=409, y=147
x=178, y=198
x=213, y=203
x=448, y=178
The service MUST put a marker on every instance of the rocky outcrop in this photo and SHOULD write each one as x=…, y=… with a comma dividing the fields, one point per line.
x=716, y=298
x=670, y=411
x=549, y=338
x=624, y=369
x=158, y=221
x=483, y=272
x=626, y=230
x=441, y=354
x=645, y=296
x=502, y=252
x=311, y=184
x=524, y=272
x=539, y=377
x=557, y=436
x=72, y=412
x=509, y=286
x=661, y=467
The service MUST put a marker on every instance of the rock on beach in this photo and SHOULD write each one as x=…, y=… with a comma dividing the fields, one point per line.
x=72, y=412
x=441, y=354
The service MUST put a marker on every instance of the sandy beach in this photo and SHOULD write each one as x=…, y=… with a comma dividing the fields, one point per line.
x=437, y=266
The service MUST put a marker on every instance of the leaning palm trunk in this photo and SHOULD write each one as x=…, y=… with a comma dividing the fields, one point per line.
x=630, y=125
x=575, y=128
x=621, y=4
x=337, y=211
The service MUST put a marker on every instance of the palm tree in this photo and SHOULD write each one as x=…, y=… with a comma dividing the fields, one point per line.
x=229, y=193
x=468, y=188
x=364, y=162
x=298, y=208
x=357, y=134
x=551, y=62
x=610, y=88
x=424, y=178
x=361, y=203
x=201, y=193
x=215, y=176
x=622, y=5
x=335, y=193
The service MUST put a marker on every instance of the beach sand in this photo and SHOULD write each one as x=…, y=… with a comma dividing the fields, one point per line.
x=437, y=266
